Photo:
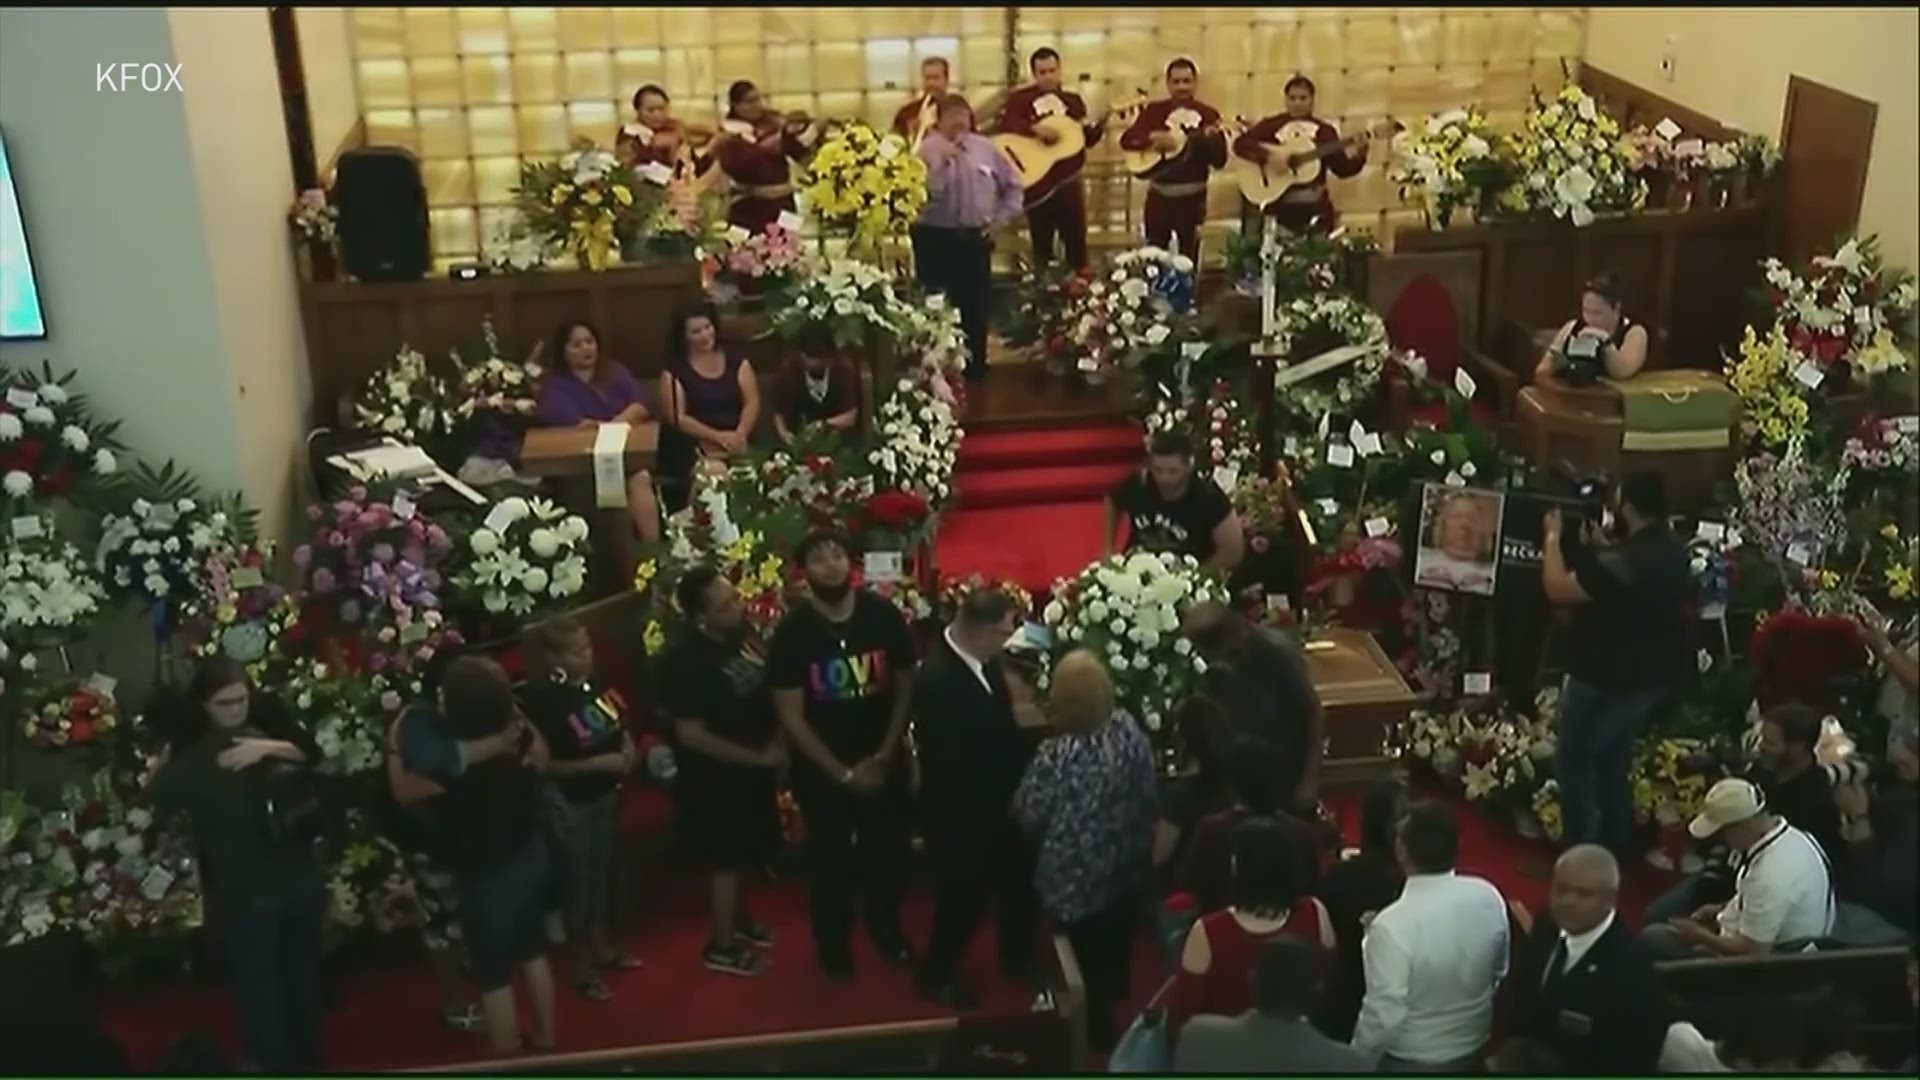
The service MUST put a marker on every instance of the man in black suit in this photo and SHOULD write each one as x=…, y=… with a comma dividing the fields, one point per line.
x=1585, y=985
x=972, y=755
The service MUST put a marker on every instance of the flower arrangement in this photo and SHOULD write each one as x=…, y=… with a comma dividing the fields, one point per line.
x=242, y=615
x=865, y=184
x=746, y=559
x=893, y=519
x=48, y=593
x=1506, y=759
x=1568, y=163
x=314, y=216
x=1446, y=163
x=50, y=443
x=1667, y=791
x=1046, y=311
x=526, y=556
x=1127, y=609
x=1261, y=502
x=156, y=548
x=956, y=590
x=735, y=262
x=74, y=715
x=853, y=299
x=96, y=863
x=1881, y=445
x=407, y=400
x=929, y=337
x=1141, y=304
x=1303, y=263
x=369, y=885
x=584, y=202
x=1307, y=327
x=918, y=443
x=378, y=566
x=1757, y=155
x=493, y=386
x=1801, y=656
x=1790, y=510
x=1773, y=403
x=347, y=713
x=1845, y=308
x=1548, y=811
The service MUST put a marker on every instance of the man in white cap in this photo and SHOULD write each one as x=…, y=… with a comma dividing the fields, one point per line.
x=1782, y=888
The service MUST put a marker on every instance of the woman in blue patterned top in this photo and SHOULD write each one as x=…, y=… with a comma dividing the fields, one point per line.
x=1088, y=796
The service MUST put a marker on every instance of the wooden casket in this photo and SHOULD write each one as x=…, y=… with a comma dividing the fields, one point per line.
x=1364, y=697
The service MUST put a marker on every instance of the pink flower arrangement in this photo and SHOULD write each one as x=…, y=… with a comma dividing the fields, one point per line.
x=736, y=263
x=377, y=567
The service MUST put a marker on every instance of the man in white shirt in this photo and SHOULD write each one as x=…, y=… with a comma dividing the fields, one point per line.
x=1433, y=957
x=1782, y=890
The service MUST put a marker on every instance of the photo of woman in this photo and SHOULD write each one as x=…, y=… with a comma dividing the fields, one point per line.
x=1459, y=539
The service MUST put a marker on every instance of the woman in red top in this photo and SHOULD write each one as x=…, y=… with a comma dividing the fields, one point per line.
x=755, y=146
x=1216, y=967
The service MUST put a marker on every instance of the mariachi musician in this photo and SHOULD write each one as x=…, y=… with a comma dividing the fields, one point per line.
x=1308, y=206
x=655, y=137
x=754, y=146
x=1177, y=189
x=1057, y=204
x=919, y=115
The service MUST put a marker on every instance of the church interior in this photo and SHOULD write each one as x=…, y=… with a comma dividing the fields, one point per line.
x=1493, y=423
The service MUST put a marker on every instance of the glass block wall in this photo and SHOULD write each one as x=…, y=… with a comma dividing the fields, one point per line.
x=475, y=90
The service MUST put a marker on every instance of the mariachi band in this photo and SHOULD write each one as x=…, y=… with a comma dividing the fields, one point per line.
x=1173, y=144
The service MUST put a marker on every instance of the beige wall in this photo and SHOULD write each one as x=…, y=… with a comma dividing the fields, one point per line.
x=1733, y=64
x=326, y=56
x=237, y=135
x=158, y=231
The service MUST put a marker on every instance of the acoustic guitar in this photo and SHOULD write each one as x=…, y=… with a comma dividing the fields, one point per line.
x=1294, y=160
x=1148, y=163
x=1033, y=158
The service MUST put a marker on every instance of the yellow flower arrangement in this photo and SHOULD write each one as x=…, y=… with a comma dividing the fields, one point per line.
x=1570, y=162
x=1662, y=792
x=865, y=184
x=585, y=202
x=1773, y=404
x=1547, y=810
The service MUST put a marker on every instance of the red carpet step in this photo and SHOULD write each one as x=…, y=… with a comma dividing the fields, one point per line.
x=1031, y=500
x=1105, y=444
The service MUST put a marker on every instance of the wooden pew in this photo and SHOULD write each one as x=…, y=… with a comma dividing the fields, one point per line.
x=1872, y=981
x=1046, y=1042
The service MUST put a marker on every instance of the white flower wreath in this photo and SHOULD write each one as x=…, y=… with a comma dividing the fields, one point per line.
x=1318, y=323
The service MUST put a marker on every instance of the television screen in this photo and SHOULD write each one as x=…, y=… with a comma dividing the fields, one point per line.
x=20, y=314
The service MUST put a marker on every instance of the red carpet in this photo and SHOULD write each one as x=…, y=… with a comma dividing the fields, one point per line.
x=1030, y=502
x=388, y=1019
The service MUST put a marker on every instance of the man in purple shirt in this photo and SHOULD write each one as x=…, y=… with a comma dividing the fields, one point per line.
x=971, y=190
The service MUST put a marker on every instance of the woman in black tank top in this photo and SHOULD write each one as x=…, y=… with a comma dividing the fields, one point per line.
x=1601, y=341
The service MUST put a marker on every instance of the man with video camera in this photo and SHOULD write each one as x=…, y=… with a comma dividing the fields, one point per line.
x=1625, y=580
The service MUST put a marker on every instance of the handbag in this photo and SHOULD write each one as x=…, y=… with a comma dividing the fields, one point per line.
x=1146, y=1046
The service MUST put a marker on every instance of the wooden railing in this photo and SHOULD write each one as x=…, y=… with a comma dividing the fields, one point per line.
x=1687, y=275
x=354, y=328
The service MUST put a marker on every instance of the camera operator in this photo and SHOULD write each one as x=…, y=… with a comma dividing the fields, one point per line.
x=1627, y=648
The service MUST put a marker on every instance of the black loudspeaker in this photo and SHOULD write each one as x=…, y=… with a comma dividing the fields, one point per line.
x=383, y=214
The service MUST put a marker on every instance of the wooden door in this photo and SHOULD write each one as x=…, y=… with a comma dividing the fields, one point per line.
x=1826, y=142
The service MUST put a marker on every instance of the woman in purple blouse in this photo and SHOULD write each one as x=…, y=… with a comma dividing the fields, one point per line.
x=712, y=399
x=584, y=388
x=1088, y=797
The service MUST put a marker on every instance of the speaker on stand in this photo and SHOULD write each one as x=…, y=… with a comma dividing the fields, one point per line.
x=383, y=214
